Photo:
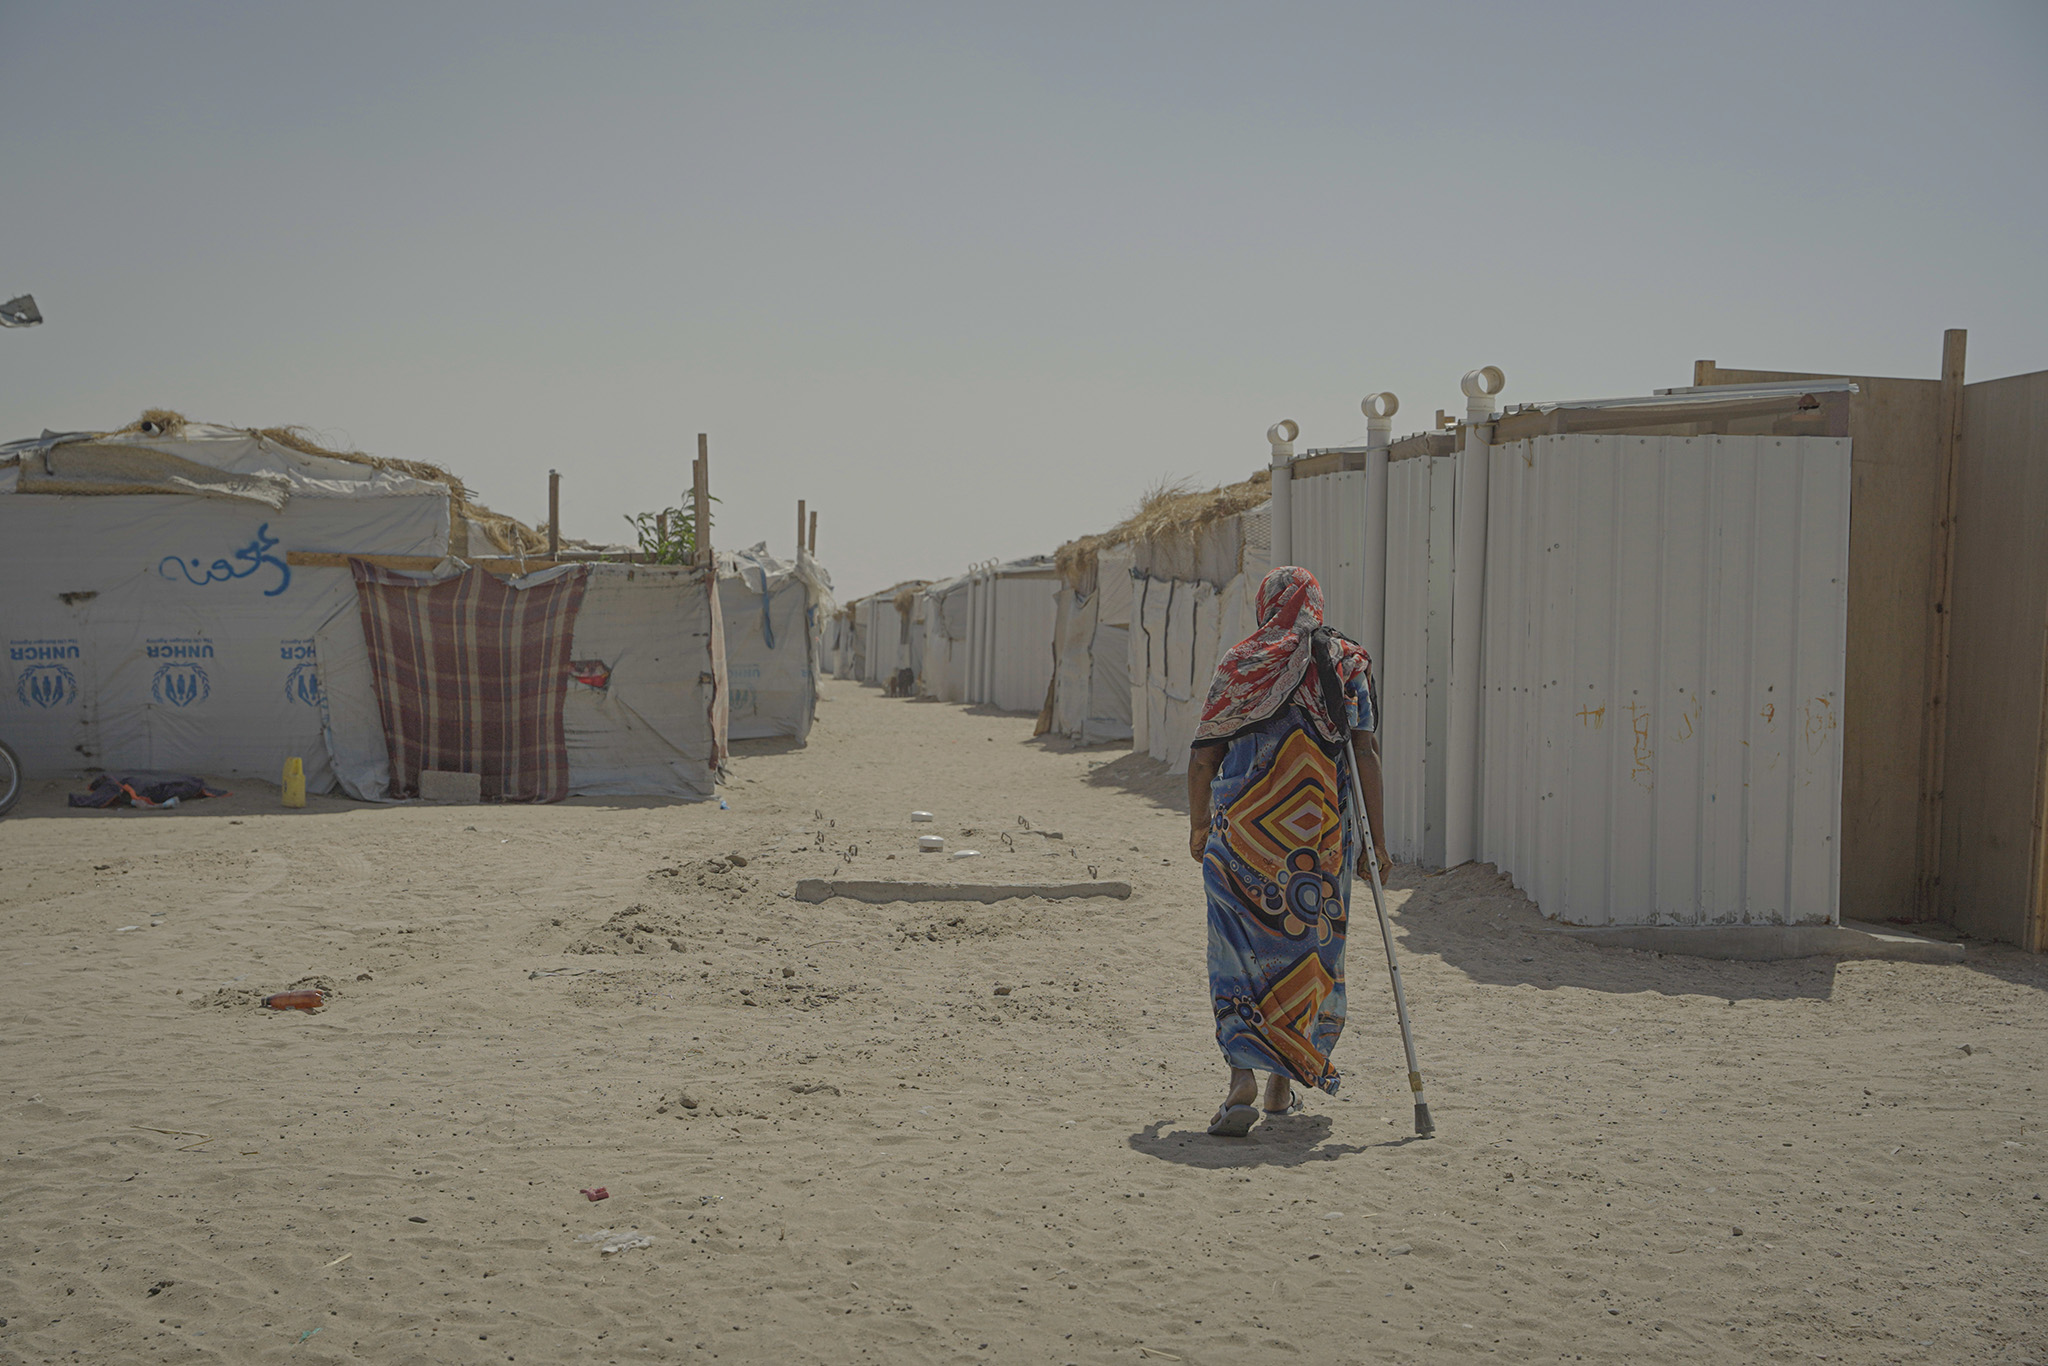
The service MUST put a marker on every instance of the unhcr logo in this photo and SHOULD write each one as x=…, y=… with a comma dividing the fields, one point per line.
x=29, y=651
x=46, y=685
x=180, y=649
x=302, y=684
x=180, y=685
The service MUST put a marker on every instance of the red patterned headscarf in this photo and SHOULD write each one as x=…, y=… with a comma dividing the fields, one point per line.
x=1272, y=666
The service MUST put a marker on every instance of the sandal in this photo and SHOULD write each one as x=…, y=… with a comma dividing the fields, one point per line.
x=1295, y=1105
x=1234, y=1121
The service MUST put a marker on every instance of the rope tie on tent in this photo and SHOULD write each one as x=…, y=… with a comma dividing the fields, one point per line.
x=767, y=626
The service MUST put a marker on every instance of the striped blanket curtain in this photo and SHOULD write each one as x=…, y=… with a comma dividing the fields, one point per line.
x=470, y=676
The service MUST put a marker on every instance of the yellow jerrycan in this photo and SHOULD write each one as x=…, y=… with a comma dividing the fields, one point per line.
x=294, y=782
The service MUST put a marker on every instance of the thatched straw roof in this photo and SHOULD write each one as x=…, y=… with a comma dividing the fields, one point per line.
x=1170, y=511
x=906, y=595
x=512, y=535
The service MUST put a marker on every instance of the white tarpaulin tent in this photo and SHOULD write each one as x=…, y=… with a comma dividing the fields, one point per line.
x=1192, y=599
x=645, y=721
x=154, y=622
x=851, y=652
x=945, y=607
x=883, y=643
x=1092, y=683
x=151, y=620
x=1011, y=616
x=772, y=640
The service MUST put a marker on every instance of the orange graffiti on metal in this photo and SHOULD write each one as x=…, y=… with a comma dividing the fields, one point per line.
x=1639, y=722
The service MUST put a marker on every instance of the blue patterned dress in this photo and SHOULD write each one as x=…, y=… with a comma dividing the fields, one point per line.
x=1277, y=870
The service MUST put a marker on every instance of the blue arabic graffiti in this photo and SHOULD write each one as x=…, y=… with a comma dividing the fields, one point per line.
x=254, y=556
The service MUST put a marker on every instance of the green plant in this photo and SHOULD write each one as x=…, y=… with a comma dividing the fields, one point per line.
x=669, y=536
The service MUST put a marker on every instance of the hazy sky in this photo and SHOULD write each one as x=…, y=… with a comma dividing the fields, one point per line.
x=970, y=277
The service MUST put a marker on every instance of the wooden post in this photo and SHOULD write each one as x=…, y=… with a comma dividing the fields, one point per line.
x=799, y=524
x=661, y=528
x=1702, y=373
x=814, y=534
x=1934, y=719
x=554, y=513
x=701, y=488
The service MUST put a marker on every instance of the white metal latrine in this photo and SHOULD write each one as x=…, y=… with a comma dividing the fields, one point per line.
x=1331, y=541
x=1665, y=628
x=1414, y=669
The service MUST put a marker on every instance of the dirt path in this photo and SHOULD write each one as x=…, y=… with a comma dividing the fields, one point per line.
x=845, y=1146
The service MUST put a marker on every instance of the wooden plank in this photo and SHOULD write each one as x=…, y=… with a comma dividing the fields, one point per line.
x=799, y=524
x=2037, y=920
x=700, y=484
x=1992, y=807
x=1934, y=710
x=814, y=534
x=496, y=564
x=554, y=512
x=1329, y=462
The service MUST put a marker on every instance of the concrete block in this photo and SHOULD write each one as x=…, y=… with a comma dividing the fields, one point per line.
x=879, y=893
x=1769, y=943
x=440, y=785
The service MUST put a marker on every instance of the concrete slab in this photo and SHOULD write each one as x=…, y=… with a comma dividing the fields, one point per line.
x=1769, y=943
x=878, y=893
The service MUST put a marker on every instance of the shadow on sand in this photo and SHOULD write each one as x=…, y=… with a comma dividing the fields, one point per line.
x=1141, y=775
x=766, y=745
x=1475, y=921
x=1294, y=1141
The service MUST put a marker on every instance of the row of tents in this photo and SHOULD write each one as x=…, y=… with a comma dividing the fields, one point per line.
x=1645, y=654
x=185, y=597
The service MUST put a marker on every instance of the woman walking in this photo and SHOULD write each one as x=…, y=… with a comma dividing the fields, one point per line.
x=1269, y=803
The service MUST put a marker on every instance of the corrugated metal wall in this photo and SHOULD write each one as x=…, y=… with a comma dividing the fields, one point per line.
x=1414, y=671
x=1662, y=680
x=1330, y=541
x=1026, y=608
x=1011, y=621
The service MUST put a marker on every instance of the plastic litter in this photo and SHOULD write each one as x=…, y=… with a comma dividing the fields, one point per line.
x=920, y=817
x=722, y=806
x=596, y=1193
x=931, y=844
x=296, y=1000
x=965, y=853
x=612, y=1241
x=294, y=782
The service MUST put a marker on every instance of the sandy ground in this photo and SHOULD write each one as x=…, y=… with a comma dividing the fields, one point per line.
x=844, y=1146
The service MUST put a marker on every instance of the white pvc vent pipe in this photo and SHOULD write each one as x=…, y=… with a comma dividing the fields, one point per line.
x=1281, y=437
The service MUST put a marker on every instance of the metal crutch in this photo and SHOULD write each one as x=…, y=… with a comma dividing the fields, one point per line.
x=1424, y=1125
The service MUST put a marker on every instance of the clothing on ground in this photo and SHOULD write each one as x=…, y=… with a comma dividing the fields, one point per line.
x=142, y=790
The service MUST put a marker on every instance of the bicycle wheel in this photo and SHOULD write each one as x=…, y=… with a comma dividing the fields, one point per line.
x=10, y=778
